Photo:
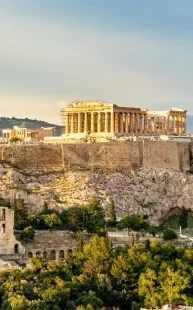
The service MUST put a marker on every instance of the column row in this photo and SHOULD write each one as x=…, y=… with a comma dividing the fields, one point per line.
x=88, y=122
x=123, y=123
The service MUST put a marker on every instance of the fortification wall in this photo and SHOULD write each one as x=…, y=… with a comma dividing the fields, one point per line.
x=129, y=155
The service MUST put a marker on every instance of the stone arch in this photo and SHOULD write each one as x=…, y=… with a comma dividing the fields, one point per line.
x=38, y=253
x=61, y=254
x=70, y=251
x=5, y=266
x=30, y=255
x=16, y=248
x=53, y=255
x=45, y=255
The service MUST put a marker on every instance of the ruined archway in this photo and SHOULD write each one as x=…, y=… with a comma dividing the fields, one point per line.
x=61, y=254
x=53, y=255
x=30, y=255
x=45, y=256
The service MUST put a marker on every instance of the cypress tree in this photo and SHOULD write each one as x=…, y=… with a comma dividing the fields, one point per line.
x=112, y=213
x=183, y=218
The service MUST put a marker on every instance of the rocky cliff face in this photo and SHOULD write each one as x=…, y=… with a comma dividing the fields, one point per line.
x=155, y=192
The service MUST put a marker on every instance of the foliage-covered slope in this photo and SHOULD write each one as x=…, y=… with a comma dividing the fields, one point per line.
x=6, y=122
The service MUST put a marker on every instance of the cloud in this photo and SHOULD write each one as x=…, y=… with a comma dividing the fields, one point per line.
x=44, y=63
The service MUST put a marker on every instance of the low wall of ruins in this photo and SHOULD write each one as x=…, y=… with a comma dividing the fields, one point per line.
x=128, y=155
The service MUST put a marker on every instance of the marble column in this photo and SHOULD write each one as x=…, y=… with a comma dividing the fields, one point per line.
x=152, y=125
x=131, y=122
x=174, y=124
x=136, y=123
x=72, y=123
x=126, y=123
x=67, y=123
x=140, y=123
x=79, y=120
x=85, y=122
x=184, y=127
x=145, y=124
x=99, y=122
x=112, y=123
x=163, y=126
x=92, y=122
x=106, y=121
x=121, y=122
x=166, y=125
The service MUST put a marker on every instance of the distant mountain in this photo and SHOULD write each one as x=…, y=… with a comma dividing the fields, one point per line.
x=190, y=124
x=6, y=122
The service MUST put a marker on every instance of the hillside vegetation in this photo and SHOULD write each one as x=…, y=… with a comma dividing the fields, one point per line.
x=6, y=122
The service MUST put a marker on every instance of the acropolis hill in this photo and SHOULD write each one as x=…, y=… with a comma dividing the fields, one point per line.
x=142, y=177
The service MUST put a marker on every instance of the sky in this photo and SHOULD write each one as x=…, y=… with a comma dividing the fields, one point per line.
x=136, y=53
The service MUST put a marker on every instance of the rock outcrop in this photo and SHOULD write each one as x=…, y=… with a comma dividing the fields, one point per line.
x=155, y=192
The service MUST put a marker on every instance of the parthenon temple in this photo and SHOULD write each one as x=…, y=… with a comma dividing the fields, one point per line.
x=100, y=118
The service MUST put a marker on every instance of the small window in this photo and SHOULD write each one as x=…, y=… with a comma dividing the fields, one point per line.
x=44, y=255
x=38, y=253
x=61, y=254
x=16, y=248
x=3, y=228
x=30, y=255
x=53, y=255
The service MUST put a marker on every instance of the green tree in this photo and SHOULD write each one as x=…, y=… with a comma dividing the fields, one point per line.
x=153, y=230
x=112, y=213
x=76, y=216
x=27, y=234
x=173, y=285
x=169, y=234
x=90, y=299
x=149, y=289
x=97, y=256
x=183, y=218
x=51, y=220
x=20, y=214
x=133, y=222
x=80, y=242
x=94, y=217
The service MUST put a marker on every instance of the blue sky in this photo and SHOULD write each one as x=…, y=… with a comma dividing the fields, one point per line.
x=130, y=52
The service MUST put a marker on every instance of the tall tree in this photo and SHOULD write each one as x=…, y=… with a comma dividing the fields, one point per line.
x=173, y=284
x=183, y=218
x=112, y=213
x=20, y=214
x=149, y=288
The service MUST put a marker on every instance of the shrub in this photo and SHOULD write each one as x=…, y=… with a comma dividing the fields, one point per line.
x=27, y=234
x=169, y=234
x=153, y=230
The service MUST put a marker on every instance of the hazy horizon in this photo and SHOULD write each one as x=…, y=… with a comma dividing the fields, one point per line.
x=131, y=53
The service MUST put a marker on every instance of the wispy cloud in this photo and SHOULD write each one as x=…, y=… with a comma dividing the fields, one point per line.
x=45, y=61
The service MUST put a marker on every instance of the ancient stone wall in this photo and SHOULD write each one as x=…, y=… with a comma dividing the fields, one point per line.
x=129, y=155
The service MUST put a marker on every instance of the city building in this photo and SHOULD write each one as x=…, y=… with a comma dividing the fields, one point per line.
x=99, y=118
x=27, y=134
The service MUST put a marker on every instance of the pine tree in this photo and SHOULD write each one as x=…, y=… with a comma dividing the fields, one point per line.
x=183, y=218
x=112, y=213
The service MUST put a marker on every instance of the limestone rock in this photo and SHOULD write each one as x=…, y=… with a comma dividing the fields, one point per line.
x=151, y=191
